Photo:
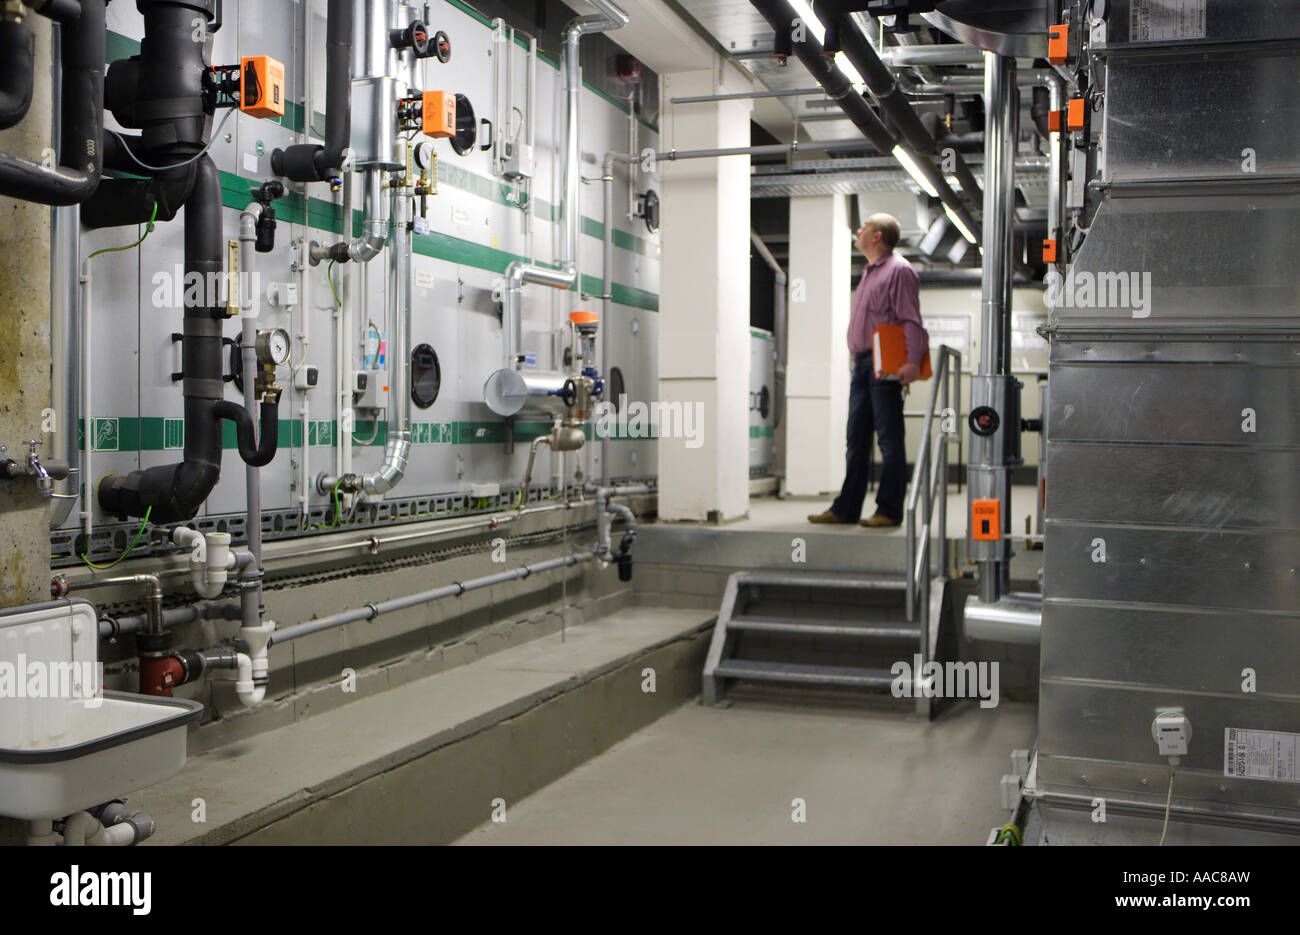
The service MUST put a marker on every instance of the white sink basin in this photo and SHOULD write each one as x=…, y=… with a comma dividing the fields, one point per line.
x=61, y=751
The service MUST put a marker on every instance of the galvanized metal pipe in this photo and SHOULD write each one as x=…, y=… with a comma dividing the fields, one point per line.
x=1014, y=618
x=455, y=589
x=251, y=576
x=745, y=95
x=993, y=386
x=932, y=55
x=999, y=205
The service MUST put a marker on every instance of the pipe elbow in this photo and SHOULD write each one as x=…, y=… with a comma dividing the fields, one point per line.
x=396, y=454
x=365, y=248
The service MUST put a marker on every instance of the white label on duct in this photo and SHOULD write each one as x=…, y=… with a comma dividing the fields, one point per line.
x=1159, y=20
x=424, y=280
x=250, y=162
x=1261, y=754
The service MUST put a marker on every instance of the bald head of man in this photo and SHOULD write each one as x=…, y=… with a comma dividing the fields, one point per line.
x=878, y=236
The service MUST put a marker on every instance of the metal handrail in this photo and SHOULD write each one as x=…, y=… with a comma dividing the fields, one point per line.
x=929, y=489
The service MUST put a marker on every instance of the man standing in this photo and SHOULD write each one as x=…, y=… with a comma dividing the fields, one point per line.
x=888, y=293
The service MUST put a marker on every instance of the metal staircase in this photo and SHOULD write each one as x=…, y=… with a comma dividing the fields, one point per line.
x=846, y=630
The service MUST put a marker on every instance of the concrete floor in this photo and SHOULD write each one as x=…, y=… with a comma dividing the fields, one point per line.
x=728, y=776
x=791, y=514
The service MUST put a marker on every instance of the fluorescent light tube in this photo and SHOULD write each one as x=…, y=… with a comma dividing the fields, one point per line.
x=965, y=232
x=905, y=160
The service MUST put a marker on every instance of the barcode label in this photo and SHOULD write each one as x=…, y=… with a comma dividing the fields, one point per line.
x=1159, y=20
x=1260, y=754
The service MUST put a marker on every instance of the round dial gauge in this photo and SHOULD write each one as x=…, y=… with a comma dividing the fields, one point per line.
x=424, y=154
x=273, y=346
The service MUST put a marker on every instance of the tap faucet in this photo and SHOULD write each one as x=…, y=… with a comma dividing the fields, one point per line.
x=44, y=483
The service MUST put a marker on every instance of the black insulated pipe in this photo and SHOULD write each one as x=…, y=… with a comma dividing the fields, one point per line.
x=253, y=454
x=834, y=82
x=119, y=202
x=308, y=162
x=76, y=176
x=884, y=88
x=779, y=15
x=162, y=90
x=176, y=491
x=17, y=65
x=64, y=12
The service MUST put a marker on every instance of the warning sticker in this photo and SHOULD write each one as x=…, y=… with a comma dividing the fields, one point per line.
x=1158, y=20
x=1261, y=754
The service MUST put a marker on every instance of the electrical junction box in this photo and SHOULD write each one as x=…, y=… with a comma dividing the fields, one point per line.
x=305, y=377
x=1171, y=730
x=438, y=114
x=283, y=294
x=519, y=161
x=261, y=86
x=370, y=390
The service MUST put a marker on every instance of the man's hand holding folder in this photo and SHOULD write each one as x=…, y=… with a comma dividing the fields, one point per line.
x=889, y=356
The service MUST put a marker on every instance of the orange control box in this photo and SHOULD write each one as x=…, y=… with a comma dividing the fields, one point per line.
x=1058, y=44
x=1074, y=114
x=1053, y=121
x=261, y=86
x=1049, y=250
x=986, y=520
x=438, y=114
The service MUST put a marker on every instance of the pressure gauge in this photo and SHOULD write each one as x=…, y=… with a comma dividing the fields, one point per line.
x=424, y=154
x=273, y=346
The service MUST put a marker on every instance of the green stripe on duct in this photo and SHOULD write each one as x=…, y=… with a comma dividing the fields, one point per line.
x=490, y=189
x=153, y=433
x=760, y=333
x=237, y=193
x=623, y=295
x=622, y=239
x=760, y=431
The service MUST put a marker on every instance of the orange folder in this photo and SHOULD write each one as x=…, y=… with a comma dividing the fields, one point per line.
x=889, y=353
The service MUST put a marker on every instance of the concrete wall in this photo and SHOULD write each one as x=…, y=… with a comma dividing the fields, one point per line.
x=25, y=355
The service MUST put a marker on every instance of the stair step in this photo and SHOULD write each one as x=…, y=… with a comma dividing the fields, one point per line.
x=804, y=674
x=883, y=631
x=830, y=582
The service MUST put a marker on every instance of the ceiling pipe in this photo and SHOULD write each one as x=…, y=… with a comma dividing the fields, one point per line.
x=779, y=15
x=884, y=88
x=902, y=56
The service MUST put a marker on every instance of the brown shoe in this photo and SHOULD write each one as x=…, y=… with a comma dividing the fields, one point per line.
x=877, y=521
x=826, y=517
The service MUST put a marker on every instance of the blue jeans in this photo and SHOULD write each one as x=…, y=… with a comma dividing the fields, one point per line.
x=875, y=407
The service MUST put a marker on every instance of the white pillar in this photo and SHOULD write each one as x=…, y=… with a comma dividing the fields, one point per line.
x=704, y=300
x=817, y=368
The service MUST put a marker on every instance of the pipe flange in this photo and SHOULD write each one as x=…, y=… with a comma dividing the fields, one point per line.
x=372, y=545
x=460, y=585
x=373, y=608
x=527, y=571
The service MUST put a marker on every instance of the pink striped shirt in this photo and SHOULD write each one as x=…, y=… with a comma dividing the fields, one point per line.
x=888, y=294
